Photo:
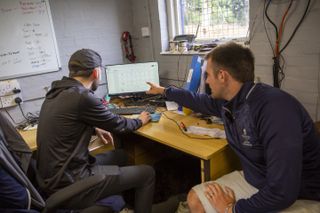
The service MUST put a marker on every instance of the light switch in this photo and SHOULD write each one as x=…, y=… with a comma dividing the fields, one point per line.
x=145, y=32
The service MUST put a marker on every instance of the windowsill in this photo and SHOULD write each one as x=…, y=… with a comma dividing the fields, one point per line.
x=192, y=52
x=184, y=53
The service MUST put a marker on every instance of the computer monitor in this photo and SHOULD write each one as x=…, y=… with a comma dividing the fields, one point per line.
x=130, y=79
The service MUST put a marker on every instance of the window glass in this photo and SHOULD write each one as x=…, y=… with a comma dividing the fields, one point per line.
x=214, y=19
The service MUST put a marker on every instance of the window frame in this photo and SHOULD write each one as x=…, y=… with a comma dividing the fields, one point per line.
x=173, y=10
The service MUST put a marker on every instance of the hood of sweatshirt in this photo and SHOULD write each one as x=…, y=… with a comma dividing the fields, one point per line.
x=58, y=86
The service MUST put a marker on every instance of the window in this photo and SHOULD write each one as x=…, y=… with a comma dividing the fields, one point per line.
x=210, y=19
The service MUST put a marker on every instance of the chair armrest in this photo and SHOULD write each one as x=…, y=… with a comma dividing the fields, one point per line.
x=63, y=195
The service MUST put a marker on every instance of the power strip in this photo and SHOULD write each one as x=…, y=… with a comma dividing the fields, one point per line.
x=9, y=91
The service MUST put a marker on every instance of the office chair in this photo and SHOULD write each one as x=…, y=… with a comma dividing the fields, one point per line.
x=13, y=149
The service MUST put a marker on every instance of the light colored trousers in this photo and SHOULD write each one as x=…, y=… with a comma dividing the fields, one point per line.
x=243, y=190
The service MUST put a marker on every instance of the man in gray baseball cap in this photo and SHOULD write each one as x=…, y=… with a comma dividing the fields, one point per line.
x=69, y=116
x=83, y=62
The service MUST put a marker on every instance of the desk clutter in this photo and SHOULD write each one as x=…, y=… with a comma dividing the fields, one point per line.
x=212, y=132
x=184, y=47
x=154, y=100
x=30, y=122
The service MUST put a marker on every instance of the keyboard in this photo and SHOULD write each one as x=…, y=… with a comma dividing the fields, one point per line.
x=132, y=110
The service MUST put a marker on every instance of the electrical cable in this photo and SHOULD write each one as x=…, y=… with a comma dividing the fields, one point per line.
x=275, y=71
x=183, y=132
x=281, y=28
x=265, y=28
x=23, y=112
x=281, y=70
x=266, y=13
x=30, y=118
x=297, y=27
x=278, y=69
x=279, y=74
x=275, y=67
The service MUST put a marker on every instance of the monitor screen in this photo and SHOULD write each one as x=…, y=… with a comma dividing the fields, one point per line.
x=131, y=78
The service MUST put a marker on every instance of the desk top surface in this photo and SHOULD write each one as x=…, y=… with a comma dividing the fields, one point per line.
x=168, y=133
x=30, y=137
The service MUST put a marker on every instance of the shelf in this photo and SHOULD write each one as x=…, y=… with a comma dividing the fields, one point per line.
x=190, y=53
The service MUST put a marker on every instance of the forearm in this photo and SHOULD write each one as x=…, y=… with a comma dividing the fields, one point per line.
x=197, y=102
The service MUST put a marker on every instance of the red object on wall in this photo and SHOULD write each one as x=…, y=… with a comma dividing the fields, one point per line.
x=126, y=38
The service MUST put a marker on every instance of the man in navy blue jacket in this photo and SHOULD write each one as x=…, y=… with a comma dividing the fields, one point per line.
x=268, y=129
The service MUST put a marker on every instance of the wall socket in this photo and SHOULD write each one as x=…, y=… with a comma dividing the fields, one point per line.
x=8, y=101
x=7, y=87
x=7, y=96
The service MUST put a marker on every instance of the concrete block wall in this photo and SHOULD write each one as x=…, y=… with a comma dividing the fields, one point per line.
x=302, y=56
x=98, y=24
x=95, y=24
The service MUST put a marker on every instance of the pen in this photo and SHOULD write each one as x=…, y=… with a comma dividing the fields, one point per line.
x=183, y=126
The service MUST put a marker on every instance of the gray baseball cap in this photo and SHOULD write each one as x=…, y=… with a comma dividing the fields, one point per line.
x=84, y=60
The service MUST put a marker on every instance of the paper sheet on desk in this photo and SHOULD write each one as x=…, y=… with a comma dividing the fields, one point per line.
x=171, y=105
x=212, y=132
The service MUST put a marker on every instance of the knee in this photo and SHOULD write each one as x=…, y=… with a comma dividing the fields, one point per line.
x=148, y=172
x=194, y=202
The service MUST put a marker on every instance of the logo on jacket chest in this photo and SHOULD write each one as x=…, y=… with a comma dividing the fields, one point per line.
x=245, y=138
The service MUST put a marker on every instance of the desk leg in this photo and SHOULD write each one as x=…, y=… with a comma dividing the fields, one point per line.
x=205, y=170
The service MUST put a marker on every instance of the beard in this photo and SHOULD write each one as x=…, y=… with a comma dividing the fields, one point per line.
x=95, y=85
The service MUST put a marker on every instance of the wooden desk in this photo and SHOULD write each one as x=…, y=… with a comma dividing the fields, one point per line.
x=215, y=156
x=30, y=136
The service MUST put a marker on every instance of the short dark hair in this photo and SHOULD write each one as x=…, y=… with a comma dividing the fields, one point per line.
x=236, y=59
x=83, y=61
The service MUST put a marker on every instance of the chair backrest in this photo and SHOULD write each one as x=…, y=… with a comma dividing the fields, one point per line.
x=15, y=143
x=9, y=163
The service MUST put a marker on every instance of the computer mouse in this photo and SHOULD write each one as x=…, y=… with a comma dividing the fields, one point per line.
x=155, y=117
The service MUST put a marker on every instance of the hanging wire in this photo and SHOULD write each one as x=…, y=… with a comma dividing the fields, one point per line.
x=273, y=24
x=297, y=27
x=281, y=29
x=265, y=28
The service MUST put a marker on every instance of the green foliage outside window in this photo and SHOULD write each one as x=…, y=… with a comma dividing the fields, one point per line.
x=214, y=12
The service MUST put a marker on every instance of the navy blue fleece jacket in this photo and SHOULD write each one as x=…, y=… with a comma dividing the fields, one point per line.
x=275, y=139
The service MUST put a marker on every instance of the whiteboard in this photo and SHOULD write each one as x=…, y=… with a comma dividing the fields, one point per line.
x=27, y=40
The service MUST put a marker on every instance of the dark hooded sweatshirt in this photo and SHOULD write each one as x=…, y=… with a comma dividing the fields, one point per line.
x=67, y=120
